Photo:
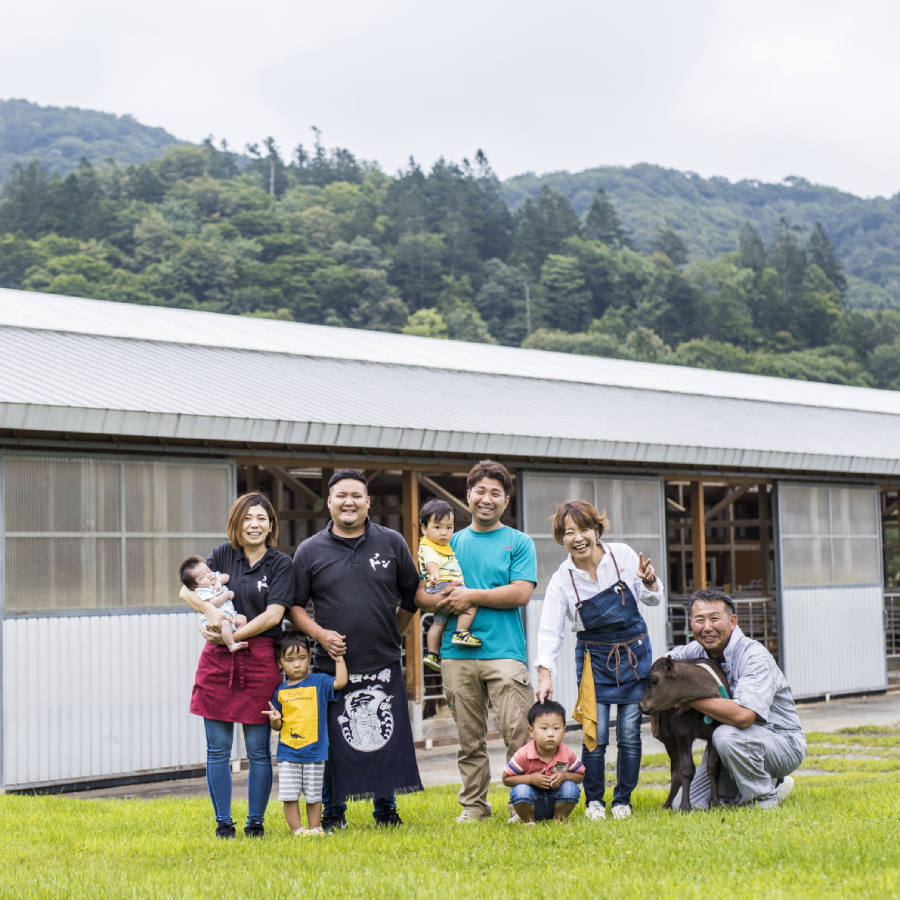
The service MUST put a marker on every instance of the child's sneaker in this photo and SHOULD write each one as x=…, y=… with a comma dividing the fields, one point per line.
x=312, y=832
x=433, y=661
x=300, y=832
x=465, y=639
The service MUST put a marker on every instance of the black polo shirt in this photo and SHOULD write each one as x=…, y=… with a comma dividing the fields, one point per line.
x=270, y=581
x=354, y=588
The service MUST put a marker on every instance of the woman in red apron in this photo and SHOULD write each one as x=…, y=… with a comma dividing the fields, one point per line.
x=232, y=688
x=598, y=588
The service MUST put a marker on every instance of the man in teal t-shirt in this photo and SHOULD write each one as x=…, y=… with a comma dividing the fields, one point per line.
x=500, y=570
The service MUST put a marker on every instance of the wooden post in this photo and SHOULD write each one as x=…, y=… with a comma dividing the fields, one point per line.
x=698, y=535
x=278, y=503
x=763, y=490
x=415, y=674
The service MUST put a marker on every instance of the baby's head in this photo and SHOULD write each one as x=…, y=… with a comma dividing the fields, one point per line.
x=194, y=572
x=436, y=521
x=292, y=653
x=547, y=724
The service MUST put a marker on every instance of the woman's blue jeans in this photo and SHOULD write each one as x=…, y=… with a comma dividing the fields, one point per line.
x=219, y=738
x=628, y=764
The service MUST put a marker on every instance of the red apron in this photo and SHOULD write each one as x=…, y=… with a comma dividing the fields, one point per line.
x=236, y=687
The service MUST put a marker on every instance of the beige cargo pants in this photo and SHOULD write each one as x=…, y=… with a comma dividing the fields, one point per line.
x=468, y=686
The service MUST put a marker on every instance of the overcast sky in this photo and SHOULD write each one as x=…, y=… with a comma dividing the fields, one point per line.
x=741, y=89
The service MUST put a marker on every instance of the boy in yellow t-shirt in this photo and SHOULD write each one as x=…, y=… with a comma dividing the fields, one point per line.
x=439, y=566
x=299, y=712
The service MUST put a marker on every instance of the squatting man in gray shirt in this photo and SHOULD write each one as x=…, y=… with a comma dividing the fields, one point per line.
x=760, y=740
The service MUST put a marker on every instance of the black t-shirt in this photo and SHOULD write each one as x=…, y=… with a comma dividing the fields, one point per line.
x=354, y=590
x=270, y=581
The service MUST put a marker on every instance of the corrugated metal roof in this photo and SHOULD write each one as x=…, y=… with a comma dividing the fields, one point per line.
x=50, y=312
x=61, y=380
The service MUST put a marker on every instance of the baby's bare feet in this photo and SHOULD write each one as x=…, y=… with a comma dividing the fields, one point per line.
x=238, y=645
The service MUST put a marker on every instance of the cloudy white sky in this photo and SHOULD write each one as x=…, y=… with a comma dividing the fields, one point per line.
x=741, y=89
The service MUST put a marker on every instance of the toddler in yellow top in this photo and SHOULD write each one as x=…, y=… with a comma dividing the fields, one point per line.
x=439, y=566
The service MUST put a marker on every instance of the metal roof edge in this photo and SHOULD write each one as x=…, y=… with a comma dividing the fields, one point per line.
x=132, y=423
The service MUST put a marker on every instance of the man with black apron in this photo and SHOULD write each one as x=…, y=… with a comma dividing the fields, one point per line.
x=354, y=572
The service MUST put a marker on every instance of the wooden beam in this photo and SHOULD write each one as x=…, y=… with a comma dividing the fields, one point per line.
x=727, y=500
x=671, y=504
x=297, y=486
x=415, y=674
x=698, y=535
x=444, y=494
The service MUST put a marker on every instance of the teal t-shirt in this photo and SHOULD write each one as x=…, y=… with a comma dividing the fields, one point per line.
x=492, y=559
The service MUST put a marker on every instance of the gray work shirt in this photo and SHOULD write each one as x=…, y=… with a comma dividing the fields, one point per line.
x=755, y=680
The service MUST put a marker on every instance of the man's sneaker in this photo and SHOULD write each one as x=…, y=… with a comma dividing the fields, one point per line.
x=514, y=819
x=224, y=830
x=465, y=818
x=254, y=830
x=621, y=812
x=433, y=661
x=331, y=824
x=595, y=811
x=783, y=788
x=390, y=819
x=465, y=639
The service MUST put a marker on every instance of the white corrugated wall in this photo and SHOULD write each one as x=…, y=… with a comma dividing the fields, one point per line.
x=833, y=640
x=89, y=697
x=831, y=589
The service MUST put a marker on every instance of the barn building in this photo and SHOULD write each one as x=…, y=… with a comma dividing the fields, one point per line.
x=127, y=431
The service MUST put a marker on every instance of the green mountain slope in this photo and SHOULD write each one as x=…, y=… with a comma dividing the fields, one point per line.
x=709, y=213
x=59, y=137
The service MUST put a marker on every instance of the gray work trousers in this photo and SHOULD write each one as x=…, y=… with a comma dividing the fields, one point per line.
x=753, y=759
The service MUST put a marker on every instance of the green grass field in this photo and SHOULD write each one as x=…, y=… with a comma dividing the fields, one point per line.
x=837, y=836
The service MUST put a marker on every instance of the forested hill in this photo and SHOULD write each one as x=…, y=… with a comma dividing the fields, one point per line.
x=709, y=213
x=448, y=251
x=60, y=137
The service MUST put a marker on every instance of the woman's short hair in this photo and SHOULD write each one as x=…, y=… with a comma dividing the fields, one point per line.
x=583, y=514
x=239, y=511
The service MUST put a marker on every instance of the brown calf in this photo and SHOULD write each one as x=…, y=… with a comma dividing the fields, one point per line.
x=671, y=682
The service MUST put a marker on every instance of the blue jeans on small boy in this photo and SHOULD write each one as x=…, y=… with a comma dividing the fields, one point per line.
x=628, y=763
x=544, y=802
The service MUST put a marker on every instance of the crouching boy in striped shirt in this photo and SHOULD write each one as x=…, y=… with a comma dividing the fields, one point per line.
x=544, y=775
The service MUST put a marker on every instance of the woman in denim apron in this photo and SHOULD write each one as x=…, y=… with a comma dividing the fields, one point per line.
x=598, y=587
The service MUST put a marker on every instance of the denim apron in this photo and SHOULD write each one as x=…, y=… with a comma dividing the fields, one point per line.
x=616, y=636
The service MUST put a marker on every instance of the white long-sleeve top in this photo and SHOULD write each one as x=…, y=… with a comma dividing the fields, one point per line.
x=560, y=599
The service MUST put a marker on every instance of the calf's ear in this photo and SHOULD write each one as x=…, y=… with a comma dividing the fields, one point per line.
x=669, y=664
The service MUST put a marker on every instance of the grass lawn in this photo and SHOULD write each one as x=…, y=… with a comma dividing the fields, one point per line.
x=837, y=836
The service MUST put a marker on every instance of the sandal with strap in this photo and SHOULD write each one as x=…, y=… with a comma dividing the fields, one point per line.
x=465, y=639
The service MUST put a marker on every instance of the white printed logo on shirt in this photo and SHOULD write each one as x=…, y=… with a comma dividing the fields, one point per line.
x=375, y=562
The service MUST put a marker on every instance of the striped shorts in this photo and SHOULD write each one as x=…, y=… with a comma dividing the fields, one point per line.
x=296, y=780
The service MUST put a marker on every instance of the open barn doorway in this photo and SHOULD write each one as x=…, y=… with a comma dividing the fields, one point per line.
x=719, y=535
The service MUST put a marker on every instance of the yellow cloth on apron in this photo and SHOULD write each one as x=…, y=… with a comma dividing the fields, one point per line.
x=585, y=711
